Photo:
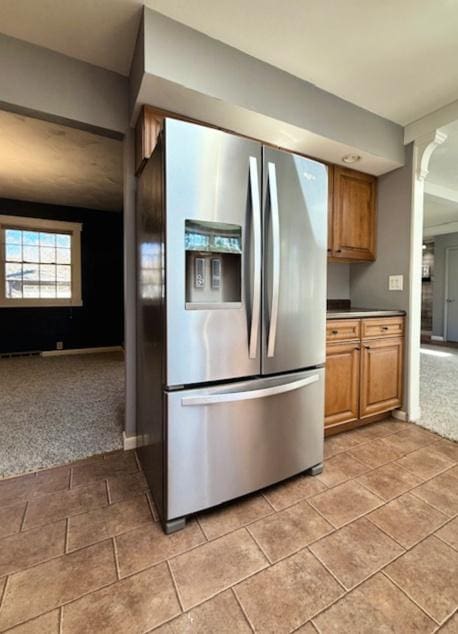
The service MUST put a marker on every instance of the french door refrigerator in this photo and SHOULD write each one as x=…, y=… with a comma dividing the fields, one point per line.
x=231, y=311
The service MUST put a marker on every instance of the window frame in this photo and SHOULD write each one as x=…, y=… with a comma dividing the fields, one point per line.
x=23, y=223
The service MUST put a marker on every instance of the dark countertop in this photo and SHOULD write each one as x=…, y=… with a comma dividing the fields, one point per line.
x=360, y=313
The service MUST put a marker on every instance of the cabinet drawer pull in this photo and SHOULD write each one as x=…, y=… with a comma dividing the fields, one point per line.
x=335, y=332
x=358, y=348
x=384, y=327
x=339, y=251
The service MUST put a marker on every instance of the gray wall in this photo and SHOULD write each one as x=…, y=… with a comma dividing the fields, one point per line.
x=441, y=243
x=40, y=82
x=338, y=281
x=196, y=75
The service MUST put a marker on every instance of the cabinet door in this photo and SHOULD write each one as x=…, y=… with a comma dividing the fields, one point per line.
x=381, y=375
x=354, y=213
x=342, y=383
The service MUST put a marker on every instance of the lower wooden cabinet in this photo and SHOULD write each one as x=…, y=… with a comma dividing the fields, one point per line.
x=381, y=376
x=363, y=376
x=342, y=382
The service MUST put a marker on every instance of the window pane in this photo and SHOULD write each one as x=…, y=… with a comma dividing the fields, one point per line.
x=31, y=290
x=63, y=256
x=13, y=236
x=47, y=254
x=13, y=280
x=64, y=273
x=48, y=290
x=13, y=252
x=47, y=273
x=63, y=240
x=64, y=290
x=30, y=238
x=30, y=254
x=47, y=239
x=31, y=272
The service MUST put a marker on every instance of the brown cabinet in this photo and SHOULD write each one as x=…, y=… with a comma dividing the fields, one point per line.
x=352, y=215
x=342, y=382
x=381, y=376
x=364, y=369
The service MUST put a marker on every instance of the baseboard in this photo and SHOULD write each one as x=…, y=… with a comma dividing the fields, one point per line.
x=130, y=442
x=437, y=338
x=59, y=353
x=399, y=414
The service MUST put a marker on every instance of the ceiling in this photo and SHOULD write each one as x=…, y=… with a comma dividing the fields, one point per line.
x=50, y=163
x=439, y=211
x=397, y=59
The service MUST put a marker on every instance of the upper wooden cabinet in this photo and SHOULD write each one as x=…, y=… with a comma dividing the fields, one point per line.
x=352, y=215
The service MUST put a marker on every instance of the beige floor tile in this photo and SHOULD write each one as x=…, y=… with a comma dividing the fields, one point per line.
x=426, y=463
x=46, y=624
x=108, y=521
x=453, y=472
x=28, y=548
x=293, y=490
x=448, y=448
x=340, y=468
x=373, y=431
x=214, y=566
x=407, y=519
x=220, y=615
x=55, y=506
x=341, y=442
x=451, y=626
x=356, y=551
x=389, y=481
x=376, y=453
x=111, y=466
x=11, y=518
x=51, y=480
x=290, y=530
x=345, y=503
x=429, y=574
x=148, y=545
x=410, y=440
x=441, y=492
x=131, y=606
x=234, y=515
x=46, y=586
x=308, y=628
x=126, y=486
x=287, y=594
x=449, y=533
x=14, y=490
x=377, y=605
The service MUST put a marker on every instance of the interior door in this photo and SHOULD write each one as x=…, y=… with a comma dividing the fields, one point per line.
x=295, y=195
x=213, y=254
x=452, y=295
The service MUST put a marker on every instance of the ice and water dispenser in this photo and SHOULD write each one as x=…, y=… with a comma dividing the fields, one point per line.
x=213, y=265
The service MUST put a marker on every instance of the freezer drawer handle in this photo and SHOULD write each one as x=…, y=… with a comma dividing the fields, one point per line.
x=256, y=302
x=273, y=193
x=227, y=397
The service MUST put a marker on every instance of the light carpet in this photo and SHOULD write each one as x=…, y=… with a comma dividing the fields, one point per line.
x=54, y=410
x=439, y=390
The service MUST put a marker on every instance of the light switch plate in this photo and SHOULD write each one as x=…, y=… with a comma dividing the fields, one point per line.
x=395, y=282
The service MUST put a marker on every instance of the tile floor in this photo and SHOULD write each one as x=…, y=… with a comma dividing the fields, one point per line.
x=370, y=545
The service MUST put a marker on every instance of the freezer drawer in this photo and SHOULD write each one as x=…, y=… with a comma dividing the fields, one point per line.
x=226, y=441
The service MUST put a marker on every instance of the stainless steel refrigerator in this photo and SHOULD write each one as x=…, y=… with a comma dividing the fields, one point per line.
x=231, y=315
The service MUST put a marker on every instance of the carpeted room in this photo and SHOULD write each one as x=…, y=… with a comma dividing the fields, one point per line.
x=60, y=295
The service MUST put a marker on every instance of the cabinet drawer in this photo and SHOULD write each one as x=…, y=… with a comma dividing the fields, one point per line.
x=382, y=327
x=342, y=330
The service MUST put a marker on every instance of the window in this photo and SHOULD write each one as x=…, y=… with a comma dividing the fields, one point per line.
x=41, y=262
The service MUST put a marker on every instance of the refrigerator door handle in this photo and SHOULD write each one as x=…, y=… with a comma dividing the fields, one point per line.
x=256, y=302
x=275, y=219
x=227, y=397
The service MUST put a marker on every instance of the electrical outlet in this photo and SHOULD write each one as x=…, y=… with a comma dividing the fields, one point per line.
x=395, y=282
x=59, y=345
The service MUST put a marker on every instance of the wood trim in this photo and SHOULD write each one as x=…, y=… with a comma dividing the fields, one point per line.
x=147, y=129
x=337, y=428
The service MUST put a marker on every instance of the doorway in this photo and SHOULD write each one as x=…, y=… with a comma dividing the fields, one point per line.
x=451, y=294
x=61, y=294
